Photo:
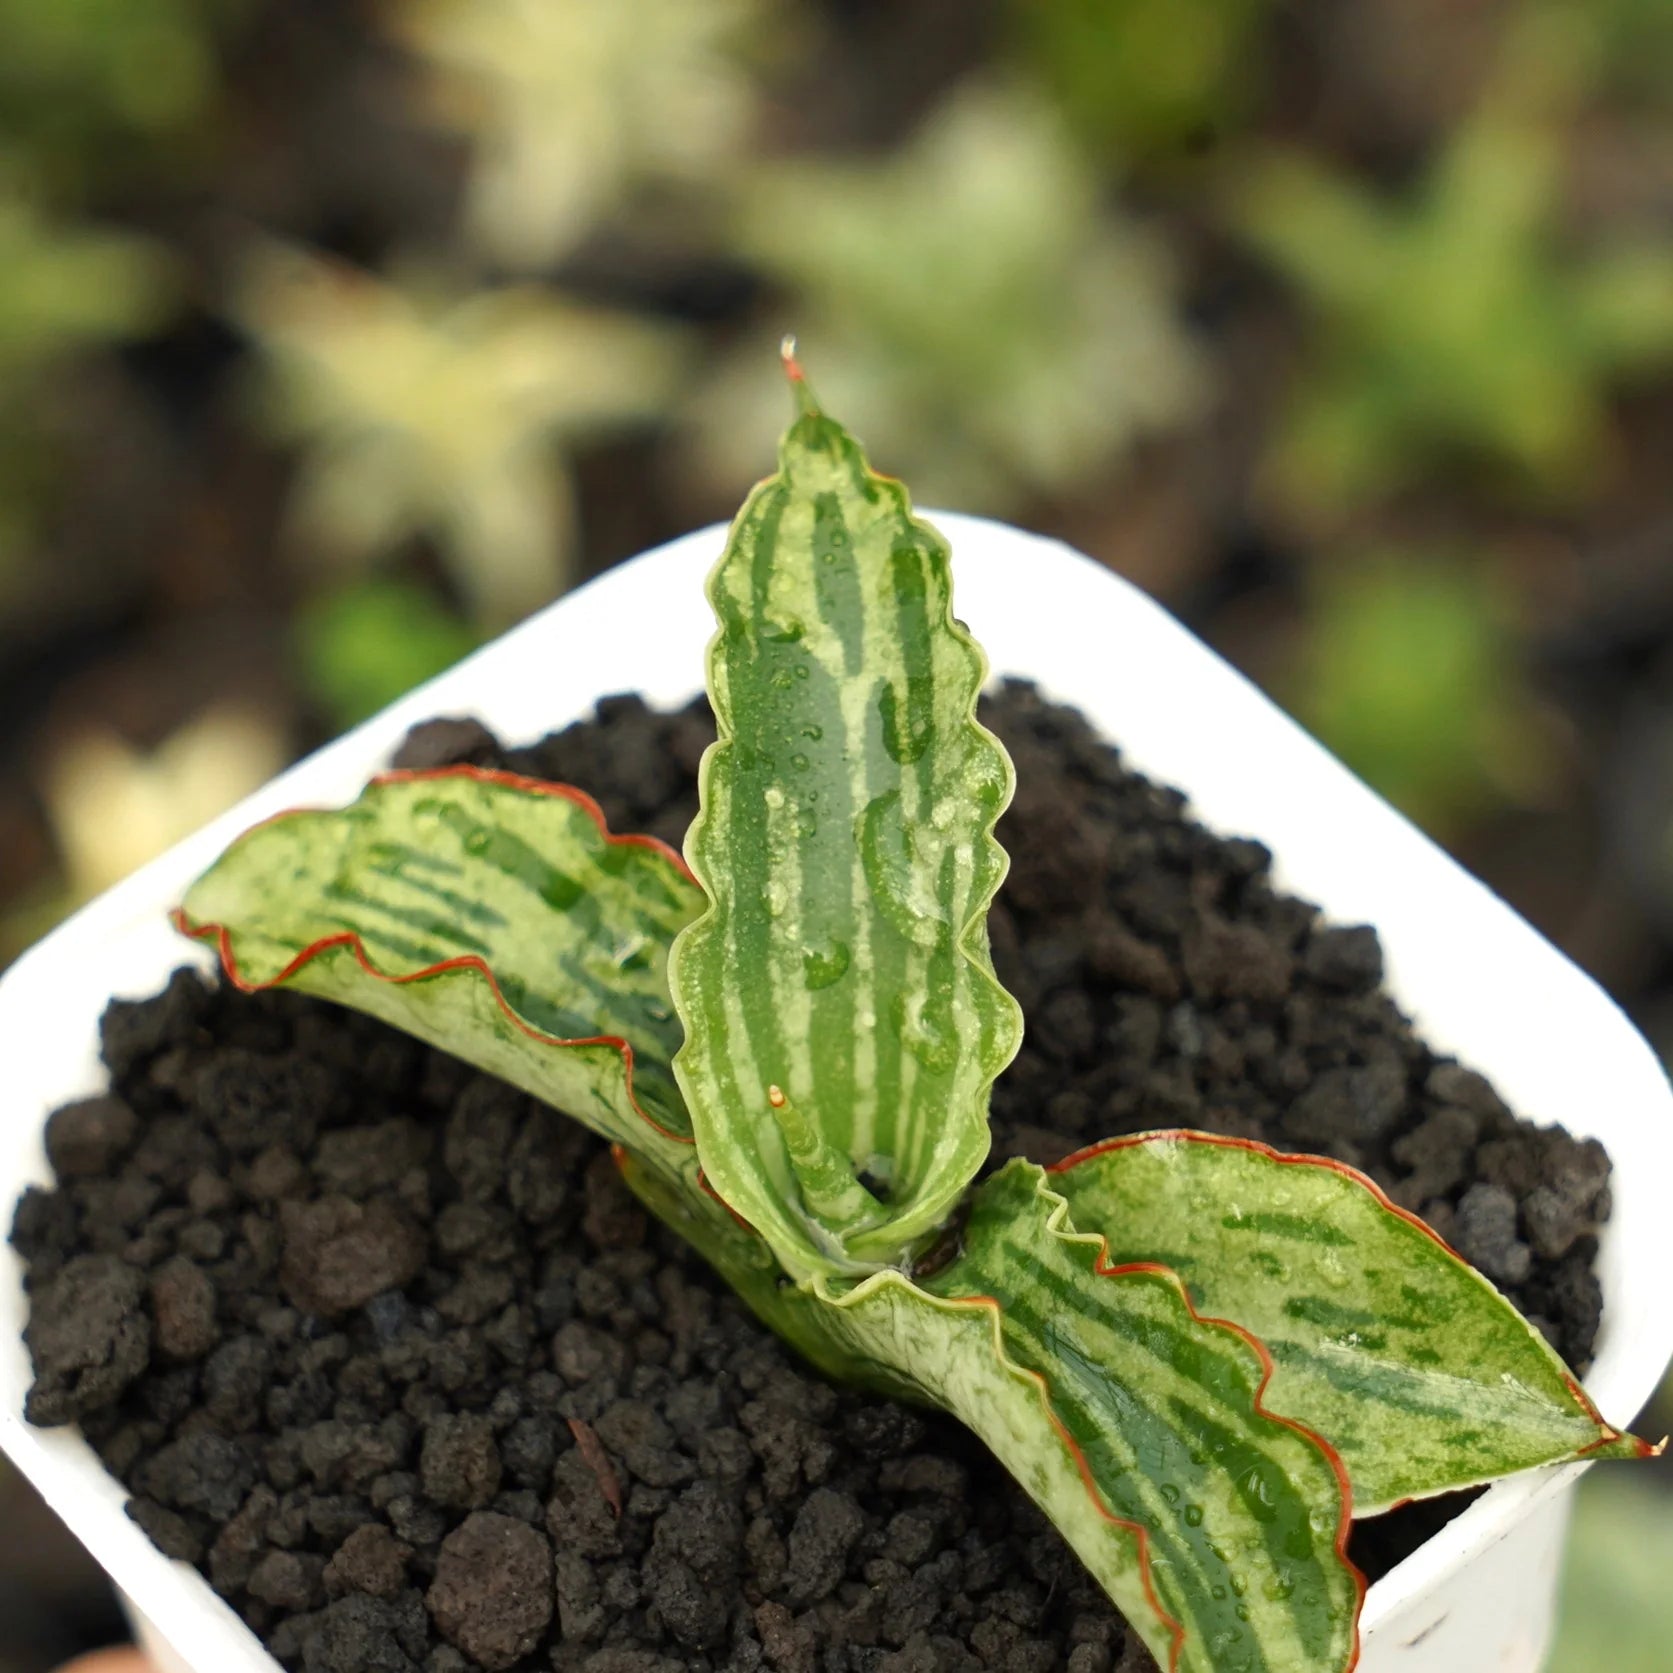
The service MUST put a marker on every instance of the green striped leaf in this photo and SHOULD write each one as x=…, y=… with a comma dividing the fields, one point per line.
x=489, y=915
x=1243, y=1514
x=1139, y=1428
x=1421, y=1375
x=843, y=1022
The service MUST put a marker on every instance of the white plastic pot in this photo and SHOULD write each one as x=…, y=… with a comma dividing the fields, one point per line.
x=1476, y=978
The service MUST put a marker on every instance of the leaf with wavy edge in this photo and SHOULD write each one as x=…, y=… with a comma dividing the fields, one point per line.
x=843, y=1022
x=1424, y=1378
x=1244, y=1512
x=1140, y=1427
x=491, y=915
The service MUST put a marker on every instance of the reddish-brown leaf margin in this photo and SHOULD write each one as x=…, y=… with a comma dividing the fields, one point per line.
x=1105, y=1269
x=221, y=937
x=1225, y=1141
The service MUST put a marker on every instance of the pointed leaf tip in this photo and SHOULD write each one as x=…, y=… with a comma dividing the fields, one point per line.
x=1424, y=1378
x=801, y=391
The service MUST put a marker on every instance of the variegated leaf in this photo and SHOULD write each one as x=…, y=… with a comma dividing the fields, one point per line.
x=1139, y=1428
x=490, y=915
x=1243, y=1514
x=1421, y=1375
x=843, y=1022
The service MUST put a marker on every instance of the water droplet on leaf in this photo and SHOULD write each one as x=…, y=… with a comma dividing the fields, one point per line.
x=926, y=1030
x=633, y=952
x=1259, y=1492
x=896, y=875
x=825, y=967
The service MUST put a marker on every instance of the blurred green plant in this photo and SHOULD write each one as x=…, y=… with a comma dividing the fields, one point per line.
x=361, y=646
x=1636, y=37
x=1452, y=321
x=67, y=285
x=66, y=288
x=1615, y=1614
x=994, y=325
x=1144, y=78
x=80, y=78
x=571, y=106
x=420, y=411
x=1411, y=673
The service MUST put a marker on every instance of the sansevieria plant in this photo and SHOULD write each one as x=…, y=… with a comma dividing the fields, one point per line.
x=1200, y=1357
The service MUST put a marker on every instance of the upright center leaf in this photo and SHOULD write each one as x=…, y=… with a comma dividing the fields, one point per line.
x=843, y=1022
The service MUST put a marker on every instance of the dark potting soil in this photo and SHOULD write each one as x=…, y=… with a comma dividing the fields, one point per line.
x=386, y=1349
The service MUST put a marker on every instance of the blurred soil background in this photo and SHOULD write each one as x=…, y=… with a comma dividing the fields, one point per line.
x=338, y=335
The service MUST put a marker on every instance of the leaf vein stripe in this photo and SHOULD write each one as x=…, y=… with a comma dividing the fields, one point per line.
x=1159, y=1448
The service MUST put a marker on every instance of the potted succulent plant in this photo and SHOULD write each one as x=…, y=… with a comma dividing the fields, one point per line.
x=1201, y=1358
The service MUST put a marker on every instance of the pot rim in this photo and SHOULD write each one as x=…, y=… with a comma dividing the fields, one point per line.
x=1179, y=713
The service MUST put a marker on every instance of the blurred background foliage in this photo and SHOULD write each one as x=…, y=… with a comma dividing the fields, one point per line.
x=980, y=312
x=336, y=335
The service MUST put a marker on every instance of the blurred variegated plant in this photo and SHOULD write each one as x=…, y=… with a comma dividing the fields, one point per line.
x=422, y=412
x=1452, y=323
x=571, y=106
x=112, y=806
x=1000, y=328
x=1200, y=1357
